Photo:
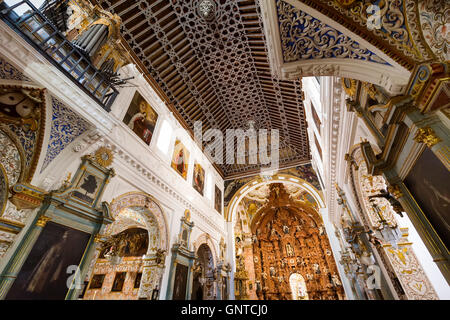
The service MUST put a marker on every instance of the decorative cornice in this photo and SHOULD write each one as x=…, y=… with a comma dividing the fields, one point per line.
x=334, y=113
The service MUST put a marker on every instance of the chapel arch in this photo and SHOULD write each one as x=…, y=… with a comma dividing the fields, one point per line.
x=285, y=236
x=137, y=216
x=203, y=277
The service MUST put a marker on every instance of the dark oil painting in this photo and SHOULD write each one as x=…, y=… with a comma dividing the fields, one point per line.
x=44, y=274
x=429, y=183
x=179, y=286
x=119, y=280
x=218, y=199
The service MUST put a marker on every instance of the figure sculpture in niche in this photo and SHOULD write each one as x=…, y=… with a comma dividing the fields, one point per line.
x=396, y=206
x=272, y=271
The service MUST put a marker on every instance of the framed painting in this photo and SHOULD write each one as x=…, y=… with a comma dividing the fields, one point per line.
x=180, y=159
x=218, y=199
x=198, y=181
x=97, y=281
x=119, y=280
x=137, y=280
x=180, y=283
x=141, y=118
x=87, y=187
x=44, y=274
x=429, y=183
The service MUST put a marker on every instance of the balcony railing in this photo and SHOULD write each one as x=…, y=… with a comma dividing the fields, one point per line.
x=41, y=33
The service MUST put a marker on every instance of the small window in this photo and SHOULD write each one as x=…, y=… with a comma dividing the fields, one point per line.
x=165, y=136
x=97, y=281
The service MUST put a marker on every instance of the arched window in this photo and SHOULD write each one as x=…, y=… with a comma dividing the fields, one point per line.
x=298, y=287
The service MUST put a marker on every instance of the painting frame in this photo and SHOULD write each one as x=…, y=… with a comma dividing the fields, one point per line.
x=85, y=185
x=180, y=282
x=97, y=281
x=141, y=118
x=198, y=178
x=119, y=281
x=427, y=185
x=44, y=272
x=180, y=159
x=217, y=199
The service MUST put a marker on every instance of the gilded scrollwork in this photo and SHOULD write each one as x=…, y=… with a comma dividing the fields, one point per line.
x=434, y=18
x=428, y=136
x=305, y=37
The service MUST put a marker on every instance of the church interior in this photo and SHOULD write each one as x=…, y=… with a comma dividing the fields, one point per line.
x=135, y=161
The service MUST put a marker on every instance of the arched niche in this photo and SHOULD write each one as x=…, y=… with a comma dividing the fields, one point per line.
x=203, y=287
x=205, y=239
x=146, y=211
x=298, y=287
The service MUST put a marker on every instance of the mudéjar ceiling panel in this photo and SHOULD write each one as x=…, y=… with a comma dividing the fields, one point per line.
x=210, y=58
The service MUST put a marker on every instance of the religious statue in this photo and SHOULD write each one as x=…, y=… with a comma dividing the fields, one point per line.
x=160, y=256
x=373, y=239
x=316, y=268
x=321, y=230
x=272, y=271
x=396, y=205
x=335, y=280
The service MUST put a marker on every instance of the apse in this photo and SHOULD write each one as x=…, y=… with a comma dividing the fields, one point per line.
x=282, y=249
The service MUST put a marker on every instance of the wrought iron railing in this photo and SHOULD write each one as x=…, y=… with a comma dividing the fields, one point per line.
x=42, y=34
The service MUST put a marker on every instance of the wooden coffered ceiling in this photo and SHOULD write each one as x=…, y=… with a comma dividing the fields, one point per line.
x=215, y=70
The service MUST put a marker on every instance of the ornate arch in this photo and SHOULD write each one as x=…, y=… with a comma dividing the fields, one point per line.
x=205, y=238
x=308, y=38
x=308, y=210
x=278, y=178
x=141, y=199
x=298, y=286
